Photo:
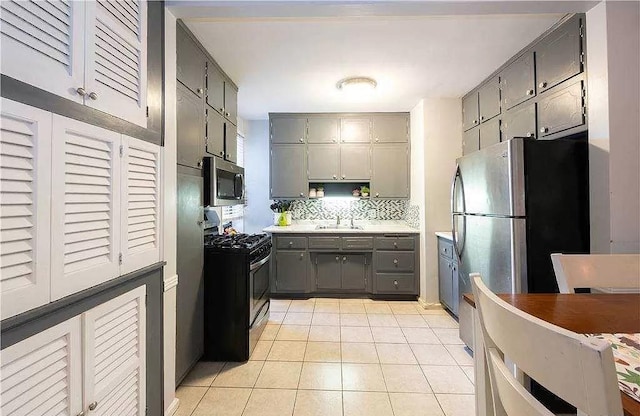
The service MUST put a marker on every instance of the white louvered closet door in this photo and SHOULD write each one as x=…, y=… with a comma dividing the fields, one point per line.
x=25, y=192
x=85, y=206
x=43, y=44
x=140, y=201
x=115, y=356
x=42, y=375
x=116, y=58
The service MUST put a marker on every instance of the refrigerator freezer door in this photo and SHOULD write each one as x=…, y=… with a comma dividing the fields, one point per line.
x=491, y=181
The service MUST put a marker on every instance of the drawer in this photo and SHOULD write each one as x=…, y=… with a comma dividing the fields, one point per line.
x=387, y=283
x=445, y=248
x=324, y=243
x=283, y=243
x=389, y=261
x=395, y=243
x=357, y=243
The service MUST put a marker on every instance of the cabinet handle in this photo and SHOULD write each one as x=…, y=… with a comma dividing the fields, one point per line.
x=529, y=134
x=377, y=194
x=344, y=176
x=301, y=255
x=377, y=140
x=200, y=91
x=335, y=176
x=199, y=163
x=337, y=258
x=301, y=140
x=81, y=91
x=344, y=259
x=93, y=406
x=395, y=261
x=395, y=245
x=290, y=243
x=475, y=121
x=529, y=92
x=200, y=222
x=227, y=114
x=93, y=95
x=481, y=118
x=544, y=129
x=81, y=413
x=543, y=84
x=302, y=194
x=222, y=110
x=395, y=283
x=334, y=140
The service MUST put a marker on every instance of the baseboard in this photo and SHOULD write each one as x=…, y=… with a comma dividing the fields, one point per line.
x=173, y=407
x=429, y=305
x=170, y=282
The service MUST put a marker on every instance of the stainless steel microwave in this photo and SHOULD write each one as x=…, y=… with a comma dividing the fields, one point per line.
x=224, y=183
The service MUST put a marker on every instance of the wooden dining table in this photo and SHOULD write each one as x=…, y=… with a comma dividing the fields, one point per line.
x=587, y=313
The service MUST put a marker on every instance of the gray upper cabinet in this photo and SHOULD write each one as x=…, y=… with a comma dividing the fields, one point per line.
x=323, y=162
x=191, y=62
x=323, y=130
x=392, y=128
x=291, y=271
x=470, y=111
x=490, y=133
x=288, y=130
x=518, y=81
x=559, y=55
x=215, y=88
x=231, y=142
x=470, y=141
x=355, y=130
x=562, y=110
x=215, y=133
x=489, y=99
x=390, y=176
x=288, y=172
x=328, y=271
x=231, y=103
x=354, y=272
x=355, y=162
x=190, y=128
x=519, y=123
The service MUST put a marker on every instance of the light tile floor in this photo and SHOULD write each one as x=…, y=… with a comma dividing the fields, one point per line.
x=341, y=357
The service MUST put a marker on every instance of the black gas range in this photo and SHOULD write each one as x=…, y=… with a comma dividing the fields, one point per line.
x=236, y=294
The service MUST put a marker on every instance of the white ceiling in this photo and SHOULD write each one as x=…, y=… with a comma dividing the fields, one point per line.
x=292, y=64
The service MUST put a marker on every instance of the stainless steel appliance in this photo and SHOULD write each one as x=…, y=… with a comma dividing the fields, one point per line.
x=236, y=294
x=513, y=204
x=223, y=183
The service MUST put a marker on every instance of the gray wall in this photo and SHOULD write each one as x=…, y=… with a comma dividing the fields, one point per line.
x=257, y=214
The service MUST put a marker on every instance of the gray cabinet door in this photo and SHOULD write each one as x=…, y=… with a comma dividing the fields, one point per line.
x=561, y=110
x=390, y=171
x=231, y=142
x=189, y=263
x=470, y=111
x=455, y=279
x=215, y=88
x=215, y=133
x=355, y=130
x=288, y=173
x=470, y=141
x=328, y=267
x=445, y=282
x=323, y=130
x=518, y=81
x=354, y=272
x=558, y=56
x=490, y=133
x=288, y=130
x=355, y=162
x=190, y=127
x=291, y=271
x=390, y=128
x=519, y=123
x=231, y=103
x=489, y=99
x=191, y=62
x=323, y=161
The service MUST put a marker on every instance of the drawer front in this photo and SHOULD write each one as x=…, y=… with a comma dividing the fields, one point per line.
x=357, y=243
x=324, y=243
x=395, y=261
x=395, y=243
x=388, y=283
x=445, y=248
x=283, y=243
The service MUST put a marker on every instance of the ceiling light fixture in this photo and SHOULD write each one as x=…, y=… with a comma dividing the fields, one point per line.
x=357, y=83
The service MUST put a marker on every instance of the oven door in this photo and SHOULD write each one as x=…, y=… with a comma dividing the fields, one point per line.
x=258, y=286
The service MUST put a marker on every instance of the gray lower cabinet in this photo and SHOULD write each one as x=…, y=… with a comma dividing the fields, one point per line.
x=214, y=133
x=448, y=276
x=288, y=172
x=470, y=141
x=190, y=127
x=328, y=273
x=323, y=162
x=288, y=130
x=355, y=130
x=338, y=271
x=489, y=99
x=518, y=81
x=355, y=162
x=291, y=271
x=392, y=128
x=354, y=272
x=519, y=123
x=191, y=62
x=470, y=111
x=561, y=110
x=490, y=133
x=323, y=130
x=390, y=174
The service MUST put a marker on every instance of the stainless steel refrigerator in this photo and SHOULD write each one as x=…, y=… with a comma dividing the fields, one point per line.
x=513, y=204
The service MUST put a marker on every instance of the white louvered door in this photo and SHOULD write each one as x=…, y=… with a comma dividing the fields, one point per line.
x=115, y=356
x=85, y=206
x=140, y=201
x=25, y=191
x=116, y=58
x=43, y=44
x=42, y=375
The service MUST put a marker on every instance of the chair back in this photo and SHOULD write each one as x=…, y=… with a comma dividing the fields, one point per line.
x=610, y=271
x=578, y=369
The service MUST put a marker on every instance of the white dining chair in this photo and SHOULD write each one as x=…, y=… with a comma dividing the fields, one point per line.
x=578, y=369
x=606, y=272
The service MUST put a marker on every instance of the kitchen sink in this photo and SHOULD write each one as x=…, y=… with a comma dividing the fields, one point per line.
x=339, y=227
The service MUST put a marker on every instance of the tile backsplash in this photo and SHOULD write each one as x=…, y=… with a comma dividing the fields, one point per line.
x=360, y=209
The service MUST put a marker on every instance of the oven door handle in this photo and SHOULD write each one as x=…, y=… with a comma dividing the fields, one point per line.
x=257, y=265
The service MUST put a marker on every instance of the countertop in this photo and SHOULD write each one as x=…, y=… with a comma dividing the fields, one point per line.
x=369, y=227
x=445, y=234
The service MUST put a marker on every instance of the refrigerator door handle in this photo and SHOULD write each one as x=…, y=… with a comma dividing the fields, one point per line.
x=453, y=208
